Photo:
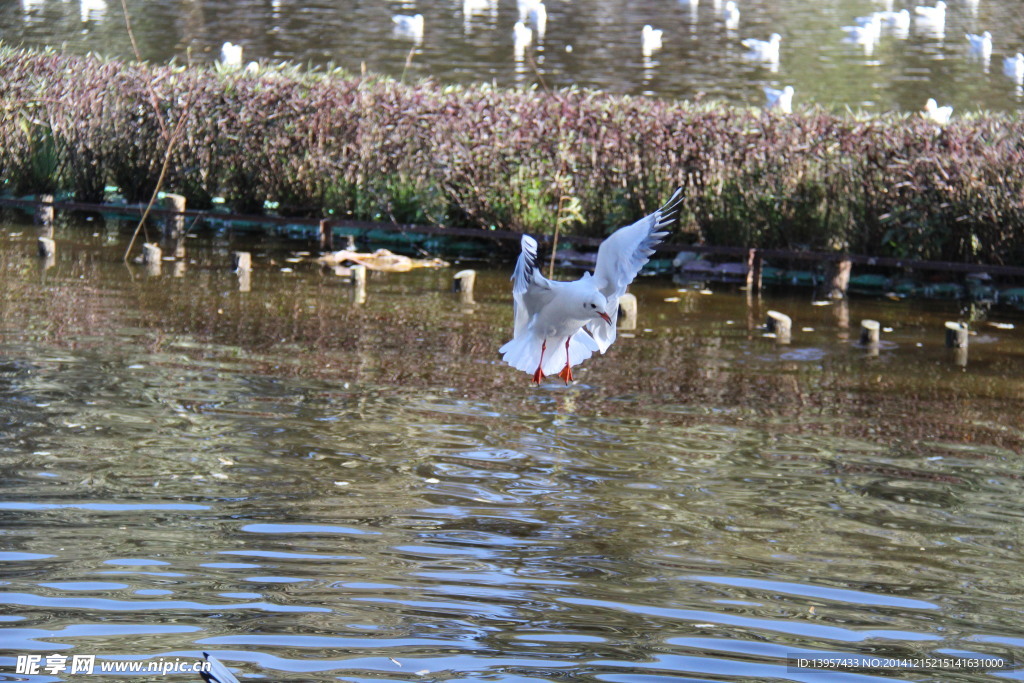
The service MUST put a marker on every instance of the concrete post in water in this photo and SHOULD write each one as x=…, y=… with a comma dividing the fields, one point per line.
x=956, y=335
x=241, y=260
x=839, y=278
x=627, y=311
x=359, y=284
x=463, y=283
x=44, y=215
x=754, y=266
x=174, y=224
x=870, y=332
x=241, y=264
x=781, y=325
x=325, y=233
x=47, y=248
x=152, y=256
x=956, y=338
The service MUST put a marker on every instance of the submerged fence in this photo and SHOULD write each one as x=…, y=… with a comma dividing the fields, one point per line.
x=330, y=145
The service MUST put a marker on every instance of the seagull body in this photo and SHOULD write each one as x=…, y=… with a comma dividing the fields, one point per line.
x=578, y=316
x=899, y=22
x=981, y=45
x=231, y=55
x=763, y=50
x=651, y=39
x=731, y=15
x=867, y=31
x=536, y=13
x=781, y=100
x=1014, y=67
x=933, y=16
x=933, y=112
x=523, y=36
x=410, y=26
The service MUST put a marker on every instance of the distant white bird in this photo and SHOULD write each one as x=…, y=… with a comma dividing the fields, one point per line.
x=231, y=55
x=536, y=13
x=780, y=100
x=650, y=39
x=763, y=50
x=1014, y=68
x=981, y=45
x=731, y=15
x=933, y=17
x=899, y=22
x=933, y=112
x=523, y=36
x=409, y=26
x=93, y=10
x=578, y=316
x=866, y=32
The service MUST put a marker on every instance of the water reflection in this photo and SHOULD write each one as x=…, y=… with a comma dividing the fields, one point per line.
x=310, y=488
x=907, y=60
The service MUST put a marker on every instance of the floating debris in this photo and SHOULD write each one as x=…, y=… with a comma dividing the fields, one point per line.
x=382, y=260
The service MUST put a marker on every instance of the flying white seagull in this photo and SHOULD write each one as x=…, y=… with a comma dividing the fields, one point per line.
x=578, y=316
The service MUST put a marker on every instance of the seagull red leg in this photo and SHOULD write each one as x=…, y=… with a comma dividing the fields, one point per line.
x=538, y=376
x=566, y=372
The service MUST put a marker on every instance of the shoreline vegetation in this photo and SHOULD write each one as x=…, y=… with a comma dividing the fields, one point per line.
x=329, y=144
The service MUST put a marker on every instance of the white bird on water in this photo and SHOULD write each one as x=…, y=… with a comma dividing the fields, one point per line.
x=780, y=100
x=933, y=112
x=1014, y=67
x=578, y=316
x=981, y=45
x=650, y=39
x=231, y=55
x=409, y=26
x=731, y=15
x=932, y=17
x=764, y=50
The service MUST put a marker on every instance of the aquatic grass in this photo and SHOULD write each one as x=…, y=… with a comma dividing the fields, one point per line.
x=327, y=143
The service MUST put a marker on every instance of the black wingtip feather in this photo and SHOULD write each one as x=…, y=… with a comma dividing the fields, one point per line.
x=669, y=214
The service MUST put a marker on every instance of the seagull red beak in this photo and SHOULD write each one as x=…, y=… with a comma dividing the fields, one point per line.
x=606, y=317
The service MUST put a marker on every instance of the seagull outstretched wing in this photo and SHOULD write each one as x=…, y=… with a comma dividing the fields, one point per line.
x=622, y=255
x=530, y=289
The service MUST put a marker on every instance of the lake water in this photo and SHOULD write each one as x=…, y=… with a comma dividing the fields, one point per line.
x=593, y=44
x=315, y=489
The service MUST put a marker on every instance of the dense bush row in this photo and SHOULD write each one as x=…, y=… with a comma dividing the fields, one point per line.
x=373, y=148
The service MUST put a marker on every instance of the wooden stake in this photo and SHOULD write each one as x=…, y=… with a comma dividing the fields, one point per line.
x=754, y=265
x=47, y=248
x=839, y=279
x=174, y=223
x=463, y=283
x=44, y=215
x=627, y=311
x=326, y=236
x=956, y=335
x=359, y=283
x=241, y=260
x=870, y=332
x=781, y=324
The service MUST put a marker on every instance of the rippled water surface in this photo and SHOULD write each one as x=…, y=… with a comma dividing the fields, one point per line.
x=314, y=489
x=591, y=43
